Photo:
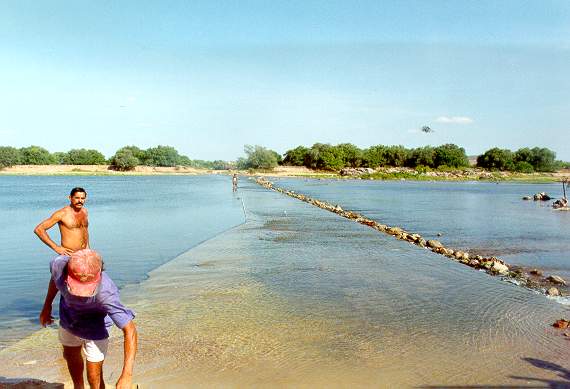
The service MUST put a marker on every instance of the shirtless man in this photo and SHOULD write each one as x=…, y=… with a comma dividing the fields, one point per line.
x=73, y=223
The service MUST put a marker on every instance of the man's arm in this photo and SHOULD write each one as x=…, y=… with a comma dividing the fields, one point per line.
x=41, y=232
x=87, y=232
x=45, y=315
x=130, y=350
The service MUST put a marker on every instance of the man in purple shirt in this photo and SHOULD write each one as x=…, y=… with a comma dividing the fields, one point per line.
x=88, y=305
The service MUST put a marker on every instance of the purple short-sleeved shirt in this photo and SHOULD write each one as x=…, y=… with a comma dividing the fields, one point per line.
x=89, y=317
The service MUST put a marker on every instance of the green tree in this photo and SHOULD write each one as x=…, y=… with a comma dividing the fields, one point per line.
x=258, y=157
x=324, y=156
x=450, y=155
x=9, y=156
x=124, y=160
x=296, y=156
x=543, y=159
x=374, y=156
x=59, y=157
x=523, y=167
x=35, y=155
x=496, y=159
x=135, y=151
x=421, y=156
x=161, y=156
x=183, y=160
x=350, y=154
x=396, y=155
x=84, y=157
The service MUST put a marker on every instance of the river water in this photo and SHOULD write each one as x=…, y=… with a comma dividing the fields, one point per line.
x=298, y=296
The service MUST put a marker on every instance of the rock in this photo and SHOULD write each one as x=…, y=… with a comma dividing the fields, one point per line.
x=527, y=198
x=553, y=292
x=536, y=272
x=422, y=243
x=416, y=237
x=465, y=256
x=474, y=263
x=395, y=231
x=561, y=324
x=561, y=203
x=556, y=280
x=351, y=171
x=498, y=267
x=434, y=244
x=459, y=254
x=439, y=234
x=542, y=196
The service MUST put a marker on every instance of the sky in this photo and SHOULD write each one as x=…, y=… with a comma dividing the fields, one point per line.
x=208, y=77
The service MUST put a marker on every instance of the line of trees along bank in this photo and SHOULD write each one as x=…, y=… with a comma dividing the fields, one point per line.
x=329, y=157
x=126, y=158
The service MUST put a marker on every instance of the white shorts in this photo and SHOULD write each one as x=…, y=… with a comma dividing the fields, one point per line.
x=95, y=350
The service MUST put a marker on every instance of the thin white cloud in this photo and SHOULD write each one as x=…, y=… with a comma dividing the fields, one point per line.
x=454, y=120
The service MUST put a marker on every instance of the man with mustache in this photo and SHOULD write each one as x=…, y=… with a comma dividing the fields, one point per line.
x=72, y=221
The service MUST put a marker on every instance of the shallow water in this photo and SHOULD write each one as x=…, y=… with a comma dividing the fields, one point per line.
x=298, y=296
x=136, y=222
x=480, y=217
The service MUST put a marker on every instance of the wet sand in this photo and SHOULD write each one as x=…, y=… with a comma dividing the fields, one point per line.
x=298, y=297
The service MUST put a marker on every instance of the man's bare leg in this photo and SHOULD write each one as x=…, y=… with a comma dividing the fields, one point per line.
x=74, y=361
x=95, y=375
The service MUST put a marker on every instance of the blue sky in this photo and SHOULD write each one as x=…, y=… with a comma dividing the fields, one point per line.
x=208, y=77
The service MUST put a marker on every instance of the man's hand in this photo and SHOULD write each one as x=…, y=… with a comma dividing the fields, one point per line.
x=63, y=251
x=124, y=382
x=45, y=316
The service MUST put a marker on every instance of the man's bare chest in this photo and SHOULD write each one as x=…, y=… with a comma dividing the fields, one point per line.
x=72, y=221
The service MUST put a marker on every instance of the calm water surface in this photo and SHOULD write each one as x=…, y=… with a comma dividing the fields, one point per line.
x=483, y=218
x=136, y=222
x=300, y=297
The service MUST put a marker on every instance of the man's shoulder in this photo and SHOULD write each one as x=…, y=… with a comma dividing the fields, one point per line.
x=57, y=265
x=108, y=288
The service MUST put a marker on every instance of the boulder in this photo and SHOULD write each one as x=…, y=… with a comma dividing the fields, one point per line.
x=542, y=196
x=556, y=280
x=474, y=263
x=561, y=203
x=553, y=292
x=561, y=324
x=395, y=231
x=536, y=272
x=498, y=267
x=527, y=198
x=434, y=243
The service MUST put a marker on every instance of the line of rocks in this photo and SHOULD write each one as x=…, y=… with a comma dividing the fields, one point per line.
x=492, y=265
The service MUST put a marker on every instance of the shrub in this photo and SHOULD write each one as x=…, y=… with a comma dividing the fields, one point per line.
x=161, y=156
x=124, y=160
x=523, y=167
x=258, y=157
x=451, y=156
x=296, y=156
x=84, y=157
x=9, y=156
x=496, y=159
x=35, y=155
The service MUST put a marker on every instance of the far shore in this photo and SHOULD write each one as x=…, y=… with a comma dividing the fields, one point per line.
x=384, y=173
